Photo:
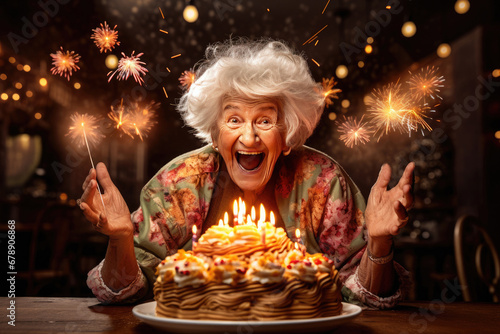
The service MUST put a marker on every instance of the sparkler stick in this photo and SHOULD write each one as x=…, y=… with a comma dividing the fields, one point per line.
x=92, y=163
x=78, y=132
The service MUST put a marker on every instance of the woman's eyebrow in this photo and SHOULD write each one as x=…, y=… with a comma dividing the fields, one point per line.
x=230, y=106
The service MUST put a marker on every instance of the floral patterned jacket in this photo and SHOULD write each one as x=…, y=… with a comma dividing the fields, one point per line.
x=312, y=192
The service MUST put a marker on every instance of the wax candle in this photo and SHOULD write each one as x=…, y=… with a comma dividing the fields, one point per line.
x=262, y=232
x=235, y=213
x=195, y=236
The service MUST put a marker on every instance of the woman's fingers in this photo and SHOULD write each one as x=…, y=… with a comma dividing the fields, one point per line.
x=384, y=176
x=104, y=178
x=89, y=177
x=90, y=214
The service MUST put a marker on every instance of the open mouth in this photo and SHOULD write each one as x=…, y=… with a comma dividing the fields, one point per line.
x=249, y=161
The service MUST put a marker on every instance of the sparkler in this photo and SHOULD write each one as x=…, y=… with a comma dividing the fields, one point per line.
x=141, y=119
x=186, y=79
x=328, y=91
x=121, y=119
x=130, y=66
x=354, y=132
x=426, y=83
x=83, y=131
x=414, y=118
x=388, y=107
x=64, y=63
x=105, y=38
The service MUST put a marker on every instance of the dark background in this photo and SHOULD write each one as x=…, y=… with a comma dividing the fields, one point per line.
x=457, y=167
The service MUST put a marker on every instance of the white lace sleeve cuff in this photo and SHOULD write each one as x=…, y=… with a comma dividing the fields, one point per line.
x=372, y=301
x=107, y=295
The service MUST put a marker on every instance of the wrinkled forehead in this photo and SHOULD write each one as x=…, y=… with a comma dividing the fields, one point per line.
x=250, y=102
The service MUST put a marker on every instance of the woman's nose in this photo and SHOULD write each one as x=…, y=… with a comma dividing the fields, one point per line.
x=248, y=135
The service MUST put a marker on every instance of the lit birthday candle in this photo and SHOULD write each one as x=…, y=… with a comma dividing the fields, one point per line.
x=252, y=214
x=195, y=236
x=271, y=218
x=297, y=236
x=235, y=213
x=226, y=219
x=262, y=217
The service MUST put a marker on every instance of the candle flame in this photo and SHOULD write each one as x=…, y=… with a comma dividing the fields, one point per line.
x=252, y=213
x=271, y=218
x=194, y=229
x=235, y=208
x=220, y=223
x=297, y=233
x=249, y=220
x=226, y=218
x=262, y=217
x=296, y=246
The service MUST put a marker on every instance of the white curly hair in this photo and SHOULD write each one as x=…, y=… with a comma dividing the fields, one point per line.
x=254, y=70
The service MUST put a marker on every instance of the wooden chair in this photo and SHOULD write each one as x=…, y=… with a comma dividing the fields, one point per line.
x=471, y=241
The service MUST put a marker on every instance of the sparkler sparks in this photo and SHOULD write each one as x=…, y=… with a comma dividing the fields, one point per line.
x=354, y=132
x=121, y=119
x=415, y=118
x=129, y=66
x=328, y=91
x=186, y=79
x=84, y=129
x=105, y=38
x=388, y=107
x=141, y=119
x=64, y=63
x=426, y=83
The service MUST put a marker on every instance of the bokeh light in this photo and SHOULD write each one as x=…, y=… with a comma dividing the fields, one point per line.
x=341, y=71
x=190, y=13
x=43, y=82
x=444, y=50
x=408, y=29
x=462, y=6
x=111, y=62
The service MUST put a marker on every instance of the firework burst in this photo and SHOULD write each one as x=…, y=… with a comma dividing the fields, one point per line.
x=120, y=118
x=328, y=91
x=129, y=66
x=415, y=118
x=64, y=63
x=141, y=119
x=186, y=79
x=426, y=83
x=354, y=132
x=105, y=38
x=388, y=107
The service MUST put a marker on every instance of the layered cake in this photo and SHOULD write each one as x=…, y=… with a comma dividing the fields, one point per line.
x=246, y=272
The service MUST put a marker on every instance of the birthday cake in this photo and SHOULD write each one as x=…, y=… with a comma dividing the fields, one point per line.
x=246, y=272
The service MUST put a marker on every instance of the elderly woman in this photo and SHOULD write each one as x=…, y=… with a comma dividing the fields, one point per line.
x=254, y=104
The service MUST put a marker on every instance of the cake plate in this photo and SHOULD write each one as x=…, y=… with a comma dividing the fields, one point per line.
x=146, y=313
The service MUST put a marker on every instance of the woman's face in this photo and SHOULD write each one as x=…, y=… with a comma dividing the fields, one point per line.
x=250, y=141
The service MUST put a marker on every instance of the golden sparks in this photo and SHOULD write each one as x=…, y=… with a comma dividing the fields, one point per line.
x=313, y=37
x=328, y=91
x=186, y=79
x=165, y=91
x=354, y=132
x=142, y=119
x=129, y=66
x=105, y=38
x=314, y=61
x=84, y=129
x=426, y=83
x=163, y=31
x=64, y=63
x=161, y=12
x=177, y=55
x=120, y=118
x=325, y=7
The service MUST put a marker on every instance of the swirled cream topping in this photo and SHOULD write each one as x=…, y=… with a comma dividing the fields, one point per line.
x=300, y=267
x=266, y=269
x=324, y=264
x=217, y=235
x=229, y=270
x=183, y=268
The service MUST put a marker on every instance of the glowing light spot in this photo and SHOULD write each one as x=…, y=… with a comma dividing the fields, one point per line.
x=497, y=135
x=3, y=76
x=368, y=49
x=409, y=29
x=332, y=116
x=77, y=85
x=18, y=85
x=12, y=60
x=443, y=50
x=29, y=93
x=27, y=68
x=361, y=64
x=369, y=40
x=346, y=103
x=341, y=71
x=190, y=14
x=4, y=96
x=38, y=115
x=462, y=6
x=15, y=97
x=111, y=62
x=43, y=82
x=496, y=73
x=63, y=197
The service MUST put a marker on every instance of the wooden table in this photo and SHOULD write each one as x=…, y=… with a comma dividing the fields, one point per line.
x=85, y=315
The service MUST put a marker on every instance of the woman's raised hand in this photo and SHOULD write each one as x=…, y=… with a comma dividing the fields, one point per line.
x=387, y=210
x=114, y=220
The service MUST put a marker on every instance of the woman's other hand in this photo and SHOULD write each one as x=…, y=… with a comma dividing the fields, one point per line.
x=387, y=210
x=114, y=220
